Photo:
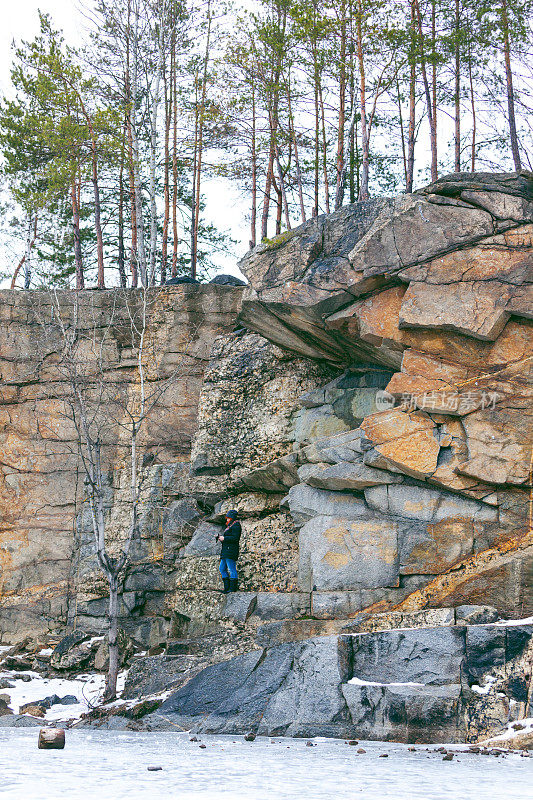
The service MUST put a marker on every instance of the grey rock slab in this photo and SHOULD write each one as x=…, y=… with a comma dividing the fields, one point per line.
x=149, y=675
x=239, y=605
x=342, y=554
x=332, y=449
x=517, y=638
x=281, y=605
x=501, y=205
x=316, y=423
x=306, y=502
x=310, y=701
x=476, y=615
x=203, y=542
x=426, y=505
x=424, y=655
x=415, y=231
x=404, y=713
x=335, y=605
x=485, y=650
x=346, y=476
x=211, y=687
x=277, y=476
x=244, y=708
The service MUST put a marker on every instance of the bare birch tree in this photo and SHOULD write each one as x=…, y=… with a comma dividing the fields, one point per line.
x=109, y=413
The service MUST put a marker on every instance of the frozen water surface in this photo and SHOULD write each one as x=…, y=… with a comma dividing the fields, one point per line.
x=102, y=765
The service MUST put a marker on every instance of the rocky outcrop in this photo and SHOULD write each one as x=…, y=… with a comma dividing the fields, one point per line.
x=364, y=402
x=423, y=501
x=418, y=685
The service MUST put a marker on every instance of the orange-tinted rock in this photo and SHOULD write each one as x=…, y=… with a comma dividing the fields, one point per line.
x=474, y=308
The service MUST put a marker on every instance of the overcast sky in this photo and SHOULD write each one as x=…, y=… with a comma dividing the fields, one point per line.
x=19, y=20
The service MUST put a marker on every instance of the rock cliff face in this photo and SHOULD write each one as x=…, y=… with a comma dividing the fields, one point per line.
x=365, y=403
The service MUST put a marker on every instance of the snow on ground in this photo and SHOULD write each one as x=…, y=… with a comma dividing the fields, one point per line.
x=114, y=766
x=359, y=682
x=86, y=688
x=511, y=731
x=506, y=622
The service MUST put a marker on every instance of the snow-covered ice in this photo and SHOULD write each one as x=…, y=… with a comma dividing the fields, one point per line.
x=86, y=688
x=114, y=766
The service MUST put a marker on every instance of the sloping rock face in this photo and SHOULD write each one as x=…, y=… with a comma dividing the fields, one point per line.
x=434, y=684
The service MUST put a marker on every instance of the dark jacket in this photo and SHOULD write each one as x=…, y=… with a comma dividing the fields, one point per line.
x=230, y=545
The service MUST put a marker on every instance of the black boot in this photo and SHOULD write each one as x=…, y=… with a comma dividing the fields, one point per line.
x=234, y=585
x=227, y=585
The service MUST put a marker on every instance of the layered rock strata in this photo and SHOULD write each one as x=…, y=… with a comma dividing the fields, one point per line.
x=370, y=418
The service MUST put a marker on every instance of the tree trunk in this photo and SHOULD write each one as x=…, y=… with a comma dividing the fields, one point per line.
x=174, y=82
x=194, y=253
x=317, y=146
x=429, y=104
x=282, y=191
x=166, y=188
x=80, y=282
x=412, y=108
x=402, y=132
x=121, y=258
x=363, y=188
x=342, y=101
x=346, y=159
x=473, y=106
x=139, y=217
x=25, y=260
x=324, y=148
x=457, y=91
x=253, y=215
x=296, y=156
x=510, y=90
x=127, y=90
x=153, y=148
x=112, y=673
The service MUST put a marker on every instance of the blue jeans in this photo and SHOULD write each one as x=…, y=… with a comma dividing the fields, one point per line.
x=228, y=568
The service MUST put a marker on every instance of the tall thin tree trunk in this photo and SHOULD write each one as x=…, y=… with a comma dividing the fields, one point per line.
x=317, y=146
x=80, y=281
x=166, y=189
x=342, y=98
x=347, y=159
x=282, y=191
x=121, y=258
x=194, y=253
x=174, y=82
x=429, y=104
x=153, y=144
x=363, y=189
x=509, y=84
x=324, y=147
x=473, y=106
x=253, y=216
x=296, y=156
x=139, y=216
x=412, y=107
x=457, y=88
x=131, y=177
x=402, y=132
x=434, y=77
